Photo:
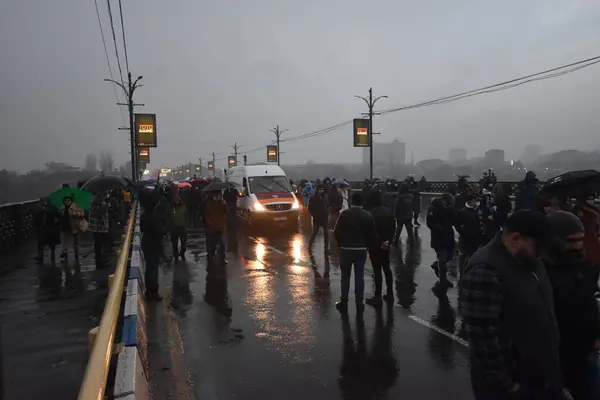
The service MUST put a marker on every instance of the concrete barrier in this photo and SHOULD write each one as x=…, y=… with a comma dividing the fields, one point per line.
x=131, y=381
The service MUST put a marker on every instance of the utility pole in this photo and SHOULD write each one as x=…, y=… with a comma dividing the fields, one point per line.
x=278, y=133
x=371, y=103
x=235, y=148
x=129, y=90
x=214, y=155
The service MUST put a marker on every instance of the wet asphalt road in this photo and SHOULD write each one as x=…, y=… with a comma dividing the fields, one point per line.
x=45, y=315
x=285, y=339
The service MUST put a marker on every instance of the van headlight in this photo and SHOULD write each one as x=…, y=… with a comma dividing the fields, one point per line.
x=258, y=207
x=296, y=205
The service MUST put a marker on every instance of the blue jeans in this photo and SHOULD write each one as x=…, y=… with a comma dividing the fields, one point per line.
x=358, y=259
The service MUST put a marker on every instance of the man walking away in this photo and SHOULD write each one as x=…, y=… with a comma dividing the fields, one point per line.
x=354, y=232
x=471, y=228
x=46, y=221
x=336, y=203
x=177, y=220
x=318, y=206
x=215, y=217
x=575, y=306
x=231, y=196
x=440, y=217
x=385, y=226
x=152, y=228
x=99, y=227
x=403, y=212
x=526, y=192
x=507, y=306
x=416, y=193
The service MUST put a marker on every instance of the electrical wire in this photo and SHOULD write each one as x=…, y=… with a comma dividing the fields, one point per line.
x=108, y=58
x=468, y=93
x=509, y=84
x=112, y=27
x=124, y=41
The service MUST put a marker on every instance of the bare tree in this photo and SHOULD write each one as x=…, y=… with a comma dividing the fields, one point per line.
x=107, y=163
x=91, y=162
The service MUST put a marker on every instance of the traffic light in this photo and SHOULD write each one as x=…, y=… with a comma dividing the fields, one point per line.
x=245, y=159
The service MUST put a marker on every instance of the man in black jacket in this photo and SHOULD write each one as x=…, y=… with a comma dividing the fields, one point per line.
x=575, y=305
x=152, y=227
x=336, y=202
x=471, y=227
x=506, y=302
x=403, y=211
x=318, y=206
x=354, y=233
x=380, y=255
x=440, y=218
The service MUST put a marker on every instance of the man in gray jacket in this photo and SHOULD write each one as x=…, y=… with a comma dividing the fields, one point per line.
x=507, y=306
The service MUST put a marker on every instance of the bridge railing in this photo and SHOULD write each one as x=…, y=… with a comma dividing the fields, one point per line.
x=103, y=336
x=16, y=223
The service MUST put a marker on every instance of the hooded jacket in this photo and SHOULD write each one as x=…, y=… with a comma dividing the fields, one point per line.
x=575, y=306
x=439, y=221
x=318, y=208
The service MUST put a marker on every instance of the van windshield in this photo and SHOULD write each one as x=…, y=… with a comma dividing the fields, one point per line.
x=269, y=184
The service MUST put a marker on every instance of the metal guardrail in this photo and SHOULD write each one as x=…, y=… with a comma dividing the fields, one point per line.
x=16, y=223
x=96, y=373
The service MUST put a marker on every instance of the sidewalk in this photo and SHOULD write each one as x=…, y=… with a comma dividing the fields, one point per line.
x=45, y=314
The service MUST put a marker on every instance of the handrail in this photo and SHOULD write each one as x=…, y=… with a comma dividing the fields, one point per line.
x=96, y=373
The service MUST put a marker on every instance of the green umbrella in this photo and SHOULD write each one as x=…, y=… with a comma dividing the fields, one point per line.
x=80, y=197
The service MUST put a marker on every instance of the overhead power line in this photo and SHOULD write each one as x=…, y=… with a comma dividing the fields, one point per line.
x=112, y=27
x=554, y=72
x=107, y=57
x=509, y=84
x=124, y=41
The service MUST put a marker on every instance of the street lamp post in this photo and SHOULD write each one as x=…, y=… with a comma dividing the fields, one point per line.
x=371, y=103
x=129, y=90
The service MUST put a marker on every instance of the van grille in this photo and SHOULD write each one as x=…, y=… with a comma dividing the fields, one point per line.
x=278, y=207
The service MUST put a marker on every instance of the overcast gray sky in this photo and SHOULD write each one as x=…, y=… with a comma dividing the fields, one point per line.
x=217, y=72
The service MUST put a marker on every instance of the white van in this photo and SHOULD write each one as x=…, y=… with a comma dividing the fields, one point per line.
x=265, y=196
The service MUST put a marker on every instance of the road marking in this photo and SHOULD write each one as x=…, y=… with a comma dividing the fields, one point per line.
x=268, y=246
x=412, y=317
x=176, y=352
x=439, y=330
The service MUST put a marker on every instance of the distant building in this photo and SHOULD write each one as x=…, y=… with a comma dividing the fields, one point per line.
x=457, y=155
x=391, y=153
x=431, y=164
x=531, y=154
x=494, y=158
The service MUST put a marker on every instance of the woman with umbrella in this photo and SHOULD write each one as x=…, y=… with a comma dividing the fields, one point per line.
x=71, y=223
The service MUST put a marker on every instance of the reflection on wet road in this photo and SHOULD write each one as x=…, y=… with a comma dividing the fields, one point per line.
x=265, y=326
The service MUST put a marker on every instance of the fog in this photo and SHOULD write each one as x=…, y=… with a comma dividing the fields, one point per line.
x=219, y=72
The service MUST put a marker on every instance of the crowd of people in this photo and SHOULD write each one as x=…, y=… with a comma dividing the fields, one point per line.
x=170, y=210
x=528, y=274
x=63, y=226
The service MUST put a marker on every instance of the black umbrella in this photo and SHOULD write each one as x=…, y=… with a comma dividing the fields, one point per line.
x=588, y=180
x=217, y=186
x=101, y=184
